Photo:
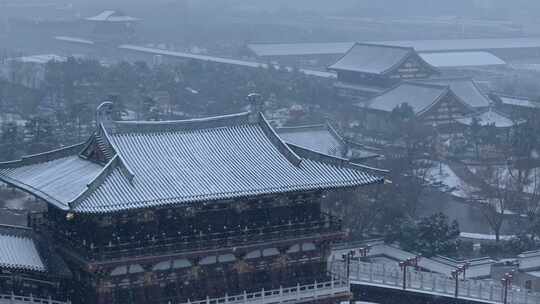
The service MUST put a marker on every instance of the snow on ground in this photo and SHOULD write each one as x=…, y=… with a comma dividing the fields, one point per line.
x=442, y=174
x=484, y=237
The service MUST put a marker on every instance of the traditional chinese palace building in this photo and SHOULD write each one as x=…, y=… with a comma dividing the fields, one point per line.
x=434, y=105
x=367, y=70
x=216, y=209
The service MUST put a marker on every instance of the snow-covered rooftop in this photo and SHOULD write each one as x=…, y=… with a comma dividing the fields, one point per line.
x=41, y=59
x=291, y=49
x=419, y=96
x=464, y=88
x=461, y=59
x=320, y=138
x=373, y=58
x=434, y=45
x=518, y=101
x=111, y=16
x=18, y=250
x=74, y=40
x=243, y=63
x=146, y=164
x=489, y=117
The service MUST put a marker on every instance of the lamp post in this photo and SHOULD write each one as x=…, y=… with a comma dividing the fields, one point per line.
x=507, y=283
x=363, y=251
x=404, y=264
x=354, y=254
x=461, y=269
x=347, y=259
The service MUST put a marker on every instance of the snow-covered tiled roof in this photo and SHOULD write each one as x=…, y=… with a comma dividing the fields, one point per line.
x=434, y=45
x=289, y=49
x=373, y=58
x=419, y=96
x=325, y=139
x=221, y=60
x=111, y=16
x=489, y=117
x=465, y=88
x=58, y=177
x=181, y=162
x=461, y=59
x=320, y=138
x=41, y=59
x=18, y=250
x=518, y=101
x=369, y=58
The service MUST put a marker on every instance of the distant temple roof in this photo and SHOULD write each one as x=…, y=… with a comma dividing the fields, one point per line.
x=461, y=59
x=324, y=139
x=40, y=59
x=321, y=138
x=465, y=88
x=290, y=49
x=129, y=165
x=516, y=101
x=490, y=117
x=374, y=58
x=111, y=16
x=442, y=45
x=420, y=96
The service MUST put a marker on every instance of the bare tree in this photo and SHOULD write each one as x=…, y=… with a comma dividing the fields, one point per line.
x=496, y=196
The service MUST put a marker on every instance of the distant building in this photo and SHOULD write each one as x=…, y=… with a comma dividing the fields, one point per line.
x=213, y=209
x=369, y=69
x=490, y=117
x=435, y=105
x=112, y=25
x=30, y=269
x=465, y=89
x=315, y=55
x=516, y=107
x=325, y=139
x=449, y=60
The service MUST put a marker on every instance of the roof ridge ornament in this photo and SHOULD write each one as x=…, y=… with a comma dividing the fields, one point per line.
x=104, y=115
x=256, y=106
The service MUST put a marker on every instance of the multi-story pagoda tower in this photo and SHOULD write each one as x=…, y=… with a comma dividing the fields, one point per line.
x=213, y=209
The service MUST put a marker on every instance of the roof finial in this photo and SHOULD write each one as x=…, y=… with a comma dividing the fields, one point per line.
x=256, y=106
x=104, y=114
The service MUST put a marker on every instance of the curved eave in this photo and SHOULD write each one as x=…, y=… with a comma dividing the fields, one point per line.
x=411, y=52
x=95, y=183
x=23, y=268
x=163, y=203
x=278, y=142
x=43, y=157
x=337, y=161
x=35, y=192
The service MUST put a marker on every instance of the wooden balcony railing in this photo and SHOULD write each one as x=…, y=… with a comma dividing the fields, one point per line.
x=199, y=241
